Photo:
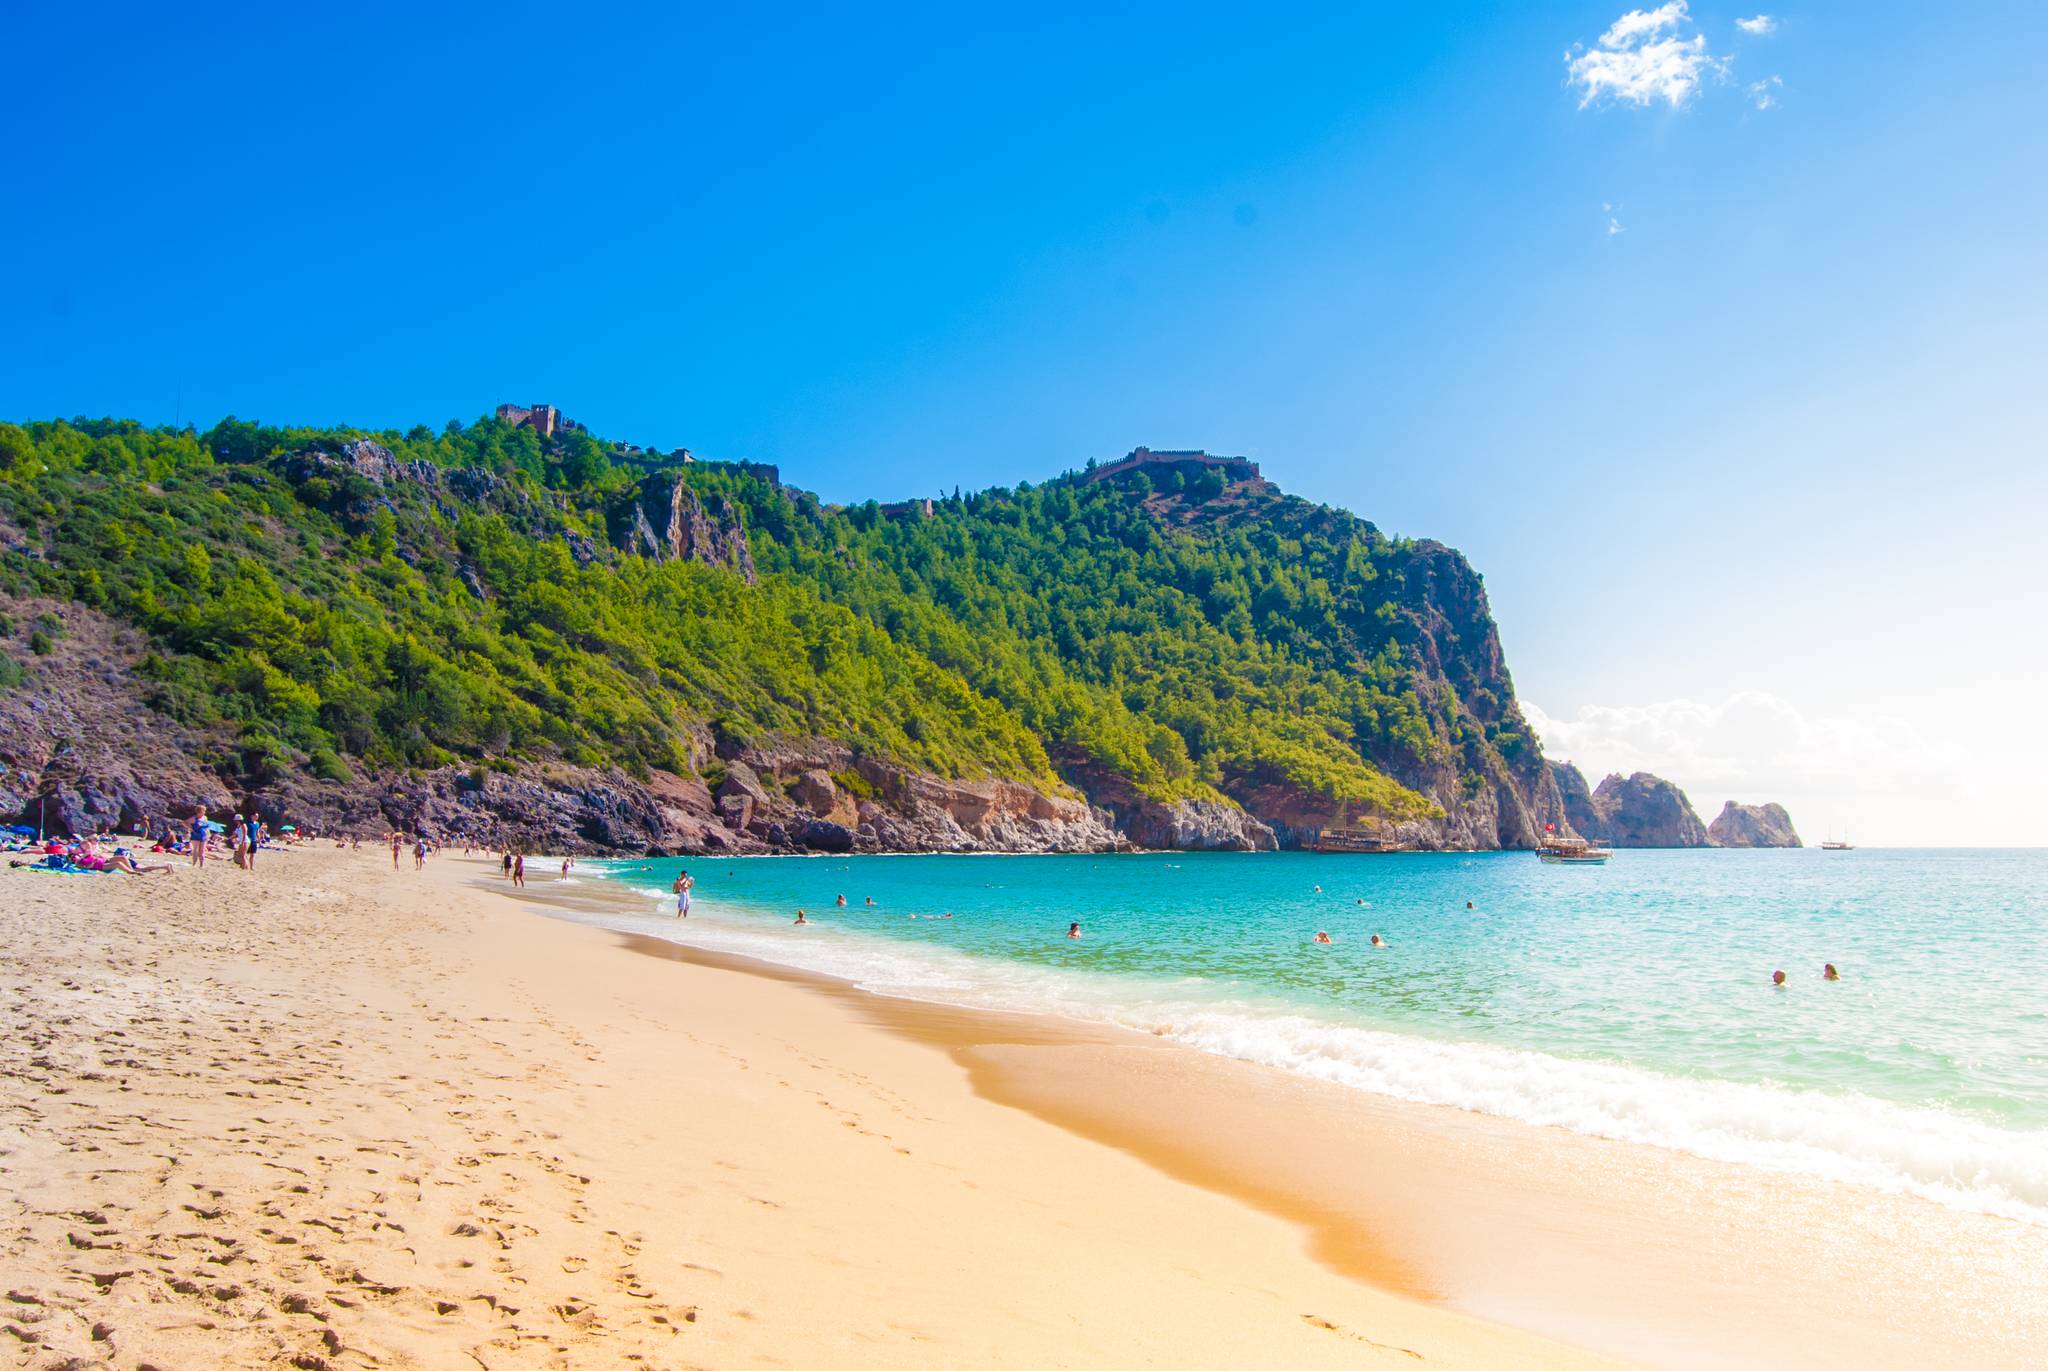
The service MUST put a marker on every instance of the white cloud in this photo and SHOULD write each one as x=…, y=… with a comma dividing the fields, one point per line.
x=1614, y=226
x=1759, y=26
x=1642, y=59
x=1764, y=94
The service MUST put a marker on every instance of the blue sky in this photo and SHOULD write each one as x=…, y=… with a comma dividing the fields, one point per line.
x=1739, y=408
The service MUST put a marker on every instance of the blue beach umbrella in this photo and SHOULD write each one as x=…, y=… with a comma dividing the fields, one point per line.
x=25, y=830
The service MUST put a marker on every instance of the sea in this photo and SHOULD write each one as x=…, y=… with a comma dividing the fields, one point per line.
x=1631, y=1001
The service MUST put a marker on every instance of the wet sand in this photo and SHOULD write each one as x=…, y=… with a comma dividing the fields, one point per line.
x=1658, y=1257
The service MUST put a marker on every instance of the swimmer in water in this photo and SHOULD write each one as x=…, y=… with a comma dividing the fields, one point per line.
x=1468, y=904
x=1828, y=973
x=1319, y=890
x=842, y=902
x=1778, y=979
x=1361, y=904
x=1321, y=936
x=1074, y=930
x=800, y=917
x=871, y=902
x=1378, y=941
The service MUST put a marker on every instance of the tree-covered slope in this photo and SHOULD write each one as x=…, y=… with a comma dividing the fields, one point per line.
x=330, y=603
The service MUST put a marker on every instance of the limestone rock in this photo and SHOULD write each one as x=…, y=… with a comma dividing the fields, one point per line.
x=1640, y=810
x=665, y=521
x=1766, y=825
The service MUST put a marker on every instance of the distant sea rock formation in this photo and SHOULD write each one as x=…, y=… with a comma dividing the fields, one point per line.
x=1640, y=810
x=1740, y=825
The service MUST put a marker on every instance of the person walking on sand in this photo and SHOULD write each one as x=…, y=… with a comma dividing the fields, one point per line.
x=397, y=841
x=419, y=853
x=252, y=830
x=684, y=880
x=199, y=837
x=519, y=870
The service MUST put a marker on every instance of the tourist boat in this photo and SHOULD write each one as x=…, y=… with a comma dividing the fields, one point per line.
x=1837, y=845
x=1562, y=851
x=1353, y=840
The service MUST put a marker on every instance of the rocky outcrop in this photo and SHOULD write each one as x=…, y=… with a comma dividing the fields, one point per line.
x=1766, y=825
x=909, y=811
x=666, y=522
x=1195, y=826
x=80, y=750
x=1640, y=810
x=1580, y=815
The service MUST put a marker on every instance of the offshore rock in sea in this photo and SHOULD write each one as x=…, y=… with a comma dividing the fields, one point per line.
x=1640, y=810
x=1766, y=825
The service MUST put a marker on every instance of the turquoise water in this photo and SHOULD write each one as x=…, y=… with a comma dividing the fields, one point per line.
x=1630, y=1001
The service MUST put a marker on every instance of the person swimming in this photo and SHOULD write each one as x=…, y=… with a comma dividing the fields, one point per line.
x=1828, y=973
x=1778, y=979
x=1321, y=936
x=1074, y=929
x=1468, y=904
x=800, y=917
x=842, y=902
x=1378, y=941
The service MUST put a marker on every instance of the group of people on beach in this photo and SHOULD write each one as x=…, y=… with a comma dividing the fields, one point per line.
x=96, y=853
x=196, y=839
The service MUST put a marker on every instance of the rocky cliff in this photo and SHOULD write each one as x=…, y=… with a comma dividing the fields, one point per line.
x=1640, y=810
x=1766, y=825
x=666, y=521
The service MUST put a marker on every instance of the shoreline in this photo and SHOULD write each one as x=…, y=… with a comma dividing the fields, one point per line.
x=330, y=1113
x=1770, y=1244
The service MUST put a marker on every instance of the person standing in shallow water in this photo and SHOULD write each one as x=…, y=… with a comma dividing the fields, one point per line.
x=519, y=869
x=684, y=882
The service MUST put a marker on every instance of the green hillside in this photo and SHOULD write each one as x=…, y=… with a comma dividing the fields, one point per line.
x=1195, y=635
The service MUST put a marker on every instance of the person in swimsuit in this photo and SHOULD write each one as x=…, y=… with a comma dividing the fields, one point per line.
x=684, y=882
x=199, y=837
x=1778, y=979
x=1321, y=936
x=800, y=917
x=1074, y=929
x=1828, y=973
x=519, y=870
x=1378, y=941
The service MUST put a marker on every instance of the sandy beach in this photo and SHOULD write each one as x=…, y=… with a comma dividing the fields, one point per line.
x=332, y=1115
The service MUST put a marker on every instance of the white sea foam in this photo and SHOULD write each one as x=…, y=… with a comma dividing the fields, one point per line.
x=1956, y=1161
